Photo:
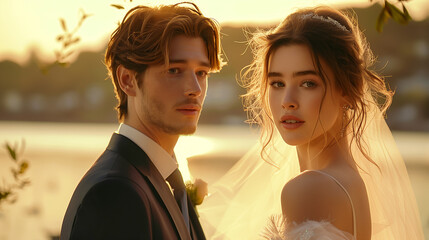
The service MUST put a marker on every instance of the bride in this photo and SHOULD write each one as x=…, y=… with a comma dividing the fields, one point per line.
x=327, y=166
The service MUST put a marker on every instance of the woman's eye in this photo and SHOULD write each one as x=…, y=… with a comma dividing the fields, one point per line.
x=277, y=84
x=309, y=84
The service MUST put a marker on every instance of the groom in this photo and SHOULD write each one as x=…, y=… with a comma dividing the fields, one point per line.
x=158, y=59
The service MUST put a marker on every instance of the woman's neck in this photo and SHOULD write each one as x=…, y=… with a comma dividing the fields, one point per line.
x=324, y=152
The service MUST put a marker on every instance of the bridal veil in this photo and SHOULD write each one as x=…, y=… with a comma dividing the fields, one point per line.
x=241, y=202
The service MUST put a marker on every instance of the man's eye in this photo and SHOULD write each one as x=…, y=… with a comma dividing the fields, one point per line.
x=173, y=71
x=202, y=73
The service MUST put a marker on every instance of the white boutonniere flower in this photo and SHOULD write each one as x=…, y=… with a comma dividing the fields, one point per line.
x=197, y=191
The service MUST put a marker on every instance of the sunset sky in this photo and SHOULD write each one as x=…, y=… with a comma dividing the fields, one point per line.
x=27, y=25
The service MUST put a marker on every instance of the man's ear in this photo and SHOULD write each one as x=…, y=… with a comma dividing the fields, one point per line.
x=127, y=80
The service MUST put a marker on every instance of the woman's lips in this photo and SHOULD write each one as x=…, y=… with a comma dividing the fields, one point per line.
x=291, y=122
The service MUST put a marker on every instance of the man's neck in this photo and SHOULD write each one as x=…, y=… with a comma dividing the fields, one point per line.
x=165, y=140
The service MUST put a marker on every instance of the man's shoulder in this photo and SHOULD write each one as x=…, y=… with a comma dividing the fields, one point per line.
x=109, y=203
x=114, y=170
x=110, y=183
x=111, y=166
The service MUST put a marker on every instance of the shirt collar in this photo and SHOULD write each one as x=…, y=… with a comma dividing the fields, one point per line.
x=164, y=162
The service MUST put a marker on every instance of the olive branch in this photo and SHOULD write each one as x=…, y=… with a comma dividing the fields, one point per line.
x=8, y=192
x=391, y=11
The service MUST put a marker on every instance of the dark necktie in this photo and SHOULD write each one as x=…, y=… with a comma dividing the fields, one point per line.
x=176, y=182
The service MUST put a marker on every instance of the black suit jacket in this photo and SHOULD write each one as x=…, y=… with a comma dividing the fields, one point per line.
x=123, y=196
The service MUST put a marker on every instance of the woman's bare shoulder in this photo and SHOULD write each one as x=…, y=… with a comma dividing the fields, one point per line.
x=312, y=196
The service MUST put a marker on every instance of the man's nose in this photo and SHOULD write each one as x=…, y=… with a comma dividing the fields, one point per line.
x=193, y=86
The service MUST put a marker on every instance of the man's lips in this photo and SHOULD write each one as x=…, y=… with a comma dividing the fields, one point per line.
x=189, y=109
x=291, y=122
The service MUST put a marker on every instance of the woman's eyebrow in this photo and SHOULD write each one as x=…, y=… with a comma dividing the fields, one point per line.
x=295, y=74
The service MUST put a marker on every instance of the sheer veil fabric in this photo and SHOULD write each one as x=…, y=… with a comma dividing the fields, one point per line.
x=241, y=202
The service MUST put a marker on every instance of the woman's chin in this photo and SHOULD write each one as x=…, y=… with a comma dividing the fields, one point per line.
x=292, y=141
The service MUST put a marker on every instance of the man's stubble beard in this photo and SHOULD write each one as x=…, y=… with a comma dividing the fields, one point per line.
x=155, y=114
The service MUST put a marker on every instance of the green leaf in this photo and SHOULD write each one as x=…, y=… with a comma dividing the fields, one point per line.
x=11, y=151
x=84, y=14
x=396, y=14
x=83, y=17
x=117, y=6
x=23, y=167
x=4, y=195
x=59, y=38
x=75, y=40
x=381, y=20
x=406, y=13
x=25, y=183
x=63, y=24
x=66, y=44
x=14, y=173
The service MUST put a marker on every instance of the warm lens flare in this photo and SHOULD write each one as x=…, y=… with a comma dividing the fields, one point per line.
x=36, y=28
x=189, y=146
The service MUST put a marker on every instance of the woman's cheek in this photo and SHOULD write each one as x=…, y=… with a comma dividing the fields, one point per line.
x=275, y=104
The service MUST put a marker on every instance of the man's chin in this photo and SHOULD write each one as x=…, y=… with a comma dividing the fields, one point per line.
x=182, y=130
x=188, y=130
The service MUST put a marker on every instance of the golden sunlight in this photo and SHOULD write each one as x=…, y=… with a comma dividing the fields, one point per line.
x=189, y=146
x=35, y=27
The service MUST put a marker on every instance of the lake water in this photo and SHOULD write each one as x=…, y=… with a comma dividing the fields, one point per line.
x=60, y=153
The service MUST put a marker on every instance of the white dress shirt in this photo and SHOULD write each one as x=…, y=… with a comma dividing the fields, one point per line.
x=164, y=162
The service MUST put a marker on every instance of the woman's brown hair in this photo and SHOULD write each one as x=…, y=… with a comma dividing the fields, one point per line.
x=334, y=37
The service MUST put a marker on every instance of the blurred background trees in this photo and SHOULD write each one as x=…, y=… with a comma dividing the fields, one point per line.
x=82, y=92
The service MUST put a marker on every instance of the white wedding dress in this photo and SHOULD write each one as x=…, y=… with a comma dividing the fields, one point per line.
x=309, y=230
x=243, y=203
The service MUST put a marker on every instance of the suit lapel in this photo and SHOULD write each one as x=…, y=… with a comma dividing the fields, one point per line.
x=164, y=192
x=138, y=158
x=197, y=230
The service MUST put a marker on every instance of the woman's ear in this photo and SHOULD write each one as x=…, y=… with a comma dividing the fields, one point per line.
x=126, y=80
x=346, y=101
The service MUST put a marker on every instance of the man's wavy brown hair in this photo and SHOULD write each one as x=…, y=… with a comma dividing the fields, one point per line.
x=143, y=38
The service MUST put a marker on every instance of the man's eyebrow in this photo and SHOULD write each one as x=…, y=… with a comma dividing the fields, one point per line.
x=205, y=64
x=295, y=74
